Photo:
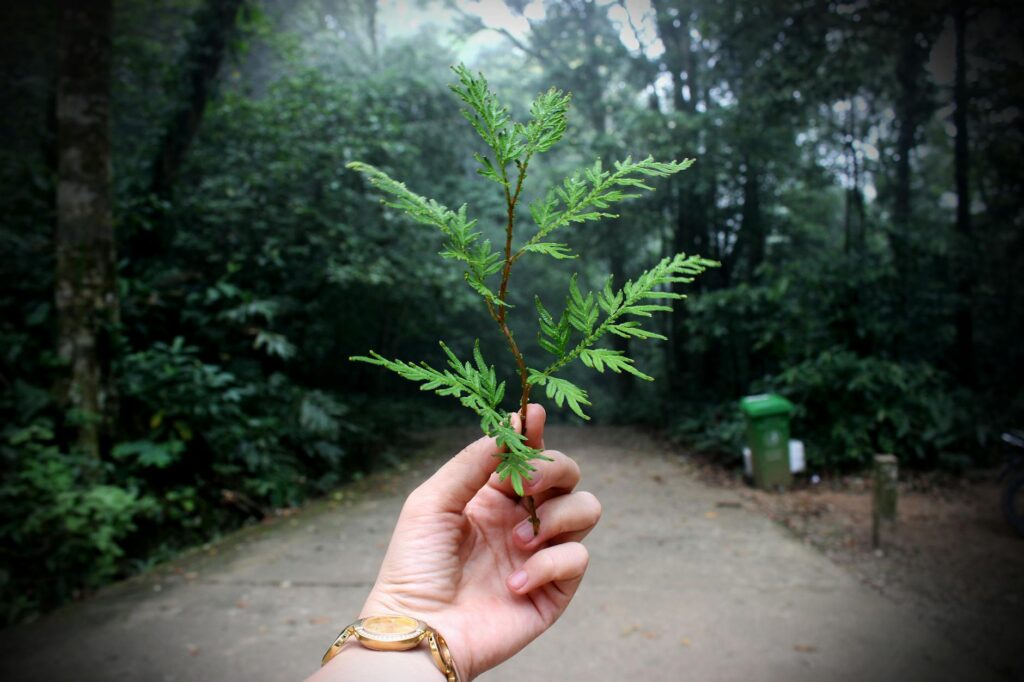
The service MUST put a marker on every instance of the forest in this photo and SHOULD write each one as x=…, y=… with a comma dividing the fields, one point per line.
x=188, y=262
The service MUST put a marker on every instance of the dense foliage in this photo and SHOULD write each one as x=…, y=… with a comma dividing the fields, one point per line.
x=834, y=144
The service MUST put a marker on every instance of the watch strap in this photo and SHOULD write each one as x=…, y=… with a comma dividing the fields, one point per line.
x=442, y=655
x=339, y=642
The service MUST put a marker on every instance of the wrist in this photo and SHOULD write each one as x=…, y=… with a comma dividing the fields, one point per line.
x=381, y=603
x=357, y=662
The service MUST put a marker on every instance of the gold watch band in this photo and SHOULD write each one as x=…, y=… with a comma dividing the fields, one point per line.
x=442, y=655
x=339, y=642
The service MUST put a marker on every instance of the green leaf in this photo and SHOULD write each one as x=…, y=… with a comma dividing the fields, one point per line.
x=582, y=311
x=553, y=337
x=274, y=344
x=149, y=453
x=517, y=482
x=652, y=283
x=488, y=170
x=487, y=115
x=463, y=243
x=615, y=360
x=562, y=391
x=548, y=121
x=585, y=194
x=631, y=328
x=557, y=251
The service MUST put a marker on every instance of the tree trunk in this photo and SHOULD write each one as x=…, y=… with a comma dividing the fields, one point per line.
x=370, y=8
x=215, y=25
x=963, y=317
x=912, y=105
x=907, y=70
x=908, y=108
x=679, y=59
x=750, y=239
x=854, y=215
x=85, y=284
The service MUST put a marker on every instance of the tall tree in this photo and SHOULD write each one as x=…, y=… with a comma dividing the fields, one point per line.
x=914, y=27
x=85, y=284
x=963, y=318
x=214, y=26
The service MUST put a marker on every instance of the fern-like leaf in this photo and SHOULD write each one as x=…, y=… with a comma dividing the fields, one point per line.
x=562, y=391
x=585, y=195
x=615, y=360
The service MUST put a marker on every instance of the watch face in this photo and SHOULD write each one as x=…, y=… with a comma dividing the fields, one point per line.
x=390, y=628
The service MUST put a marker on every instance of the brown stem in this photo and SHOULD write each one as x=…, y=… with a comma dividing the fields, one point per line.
x=530, y=506
x=511, y=200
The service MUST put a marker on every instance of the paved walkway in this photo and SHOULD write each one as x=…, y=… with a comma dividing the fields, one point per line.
x=683, y=585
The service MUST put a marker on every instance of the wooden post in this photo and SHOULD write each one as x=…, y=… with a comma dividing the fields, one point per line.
x=886, y=474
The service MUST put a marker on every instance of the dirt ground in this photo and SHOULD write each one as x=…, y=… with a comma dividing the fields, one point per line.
x=950, y=556
x=688, y=581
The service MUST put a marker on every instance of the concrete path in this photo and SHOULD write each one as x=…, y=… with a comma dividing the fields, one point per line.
x=684, y=584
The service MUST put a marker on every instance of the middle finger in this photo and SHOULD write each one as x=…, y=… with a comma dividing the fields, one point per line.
x=556, y=477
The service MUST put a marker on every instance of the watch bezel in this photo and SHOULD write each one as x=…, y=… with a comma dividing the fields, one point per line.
x=390, y=641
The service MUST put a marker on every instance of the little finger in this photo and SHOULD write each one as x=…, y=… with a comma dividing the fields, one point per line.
x=562, y=565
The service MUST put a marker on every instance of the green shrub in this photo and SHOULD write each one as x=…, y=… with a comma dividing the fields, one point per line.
x=715, y=428
x=850, y=407
x=62, y=527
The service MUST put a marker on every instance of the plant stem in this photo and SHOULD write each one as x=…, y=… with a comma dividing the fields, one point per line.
x=511, y=199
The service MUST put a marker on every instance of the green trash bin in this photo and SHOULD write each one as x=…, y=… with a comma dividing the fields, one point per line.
x=768, y=438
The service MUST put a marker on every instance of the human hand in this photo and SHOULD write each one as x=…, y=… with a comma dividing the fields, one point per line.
x=463, y=557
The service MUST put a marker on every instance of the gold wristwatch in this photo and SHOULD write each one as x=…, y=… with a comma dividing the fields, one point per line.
x=396, y=633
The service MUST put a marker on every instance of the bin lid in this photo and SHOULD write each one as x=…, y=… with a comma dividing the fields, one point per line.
x=765, y=405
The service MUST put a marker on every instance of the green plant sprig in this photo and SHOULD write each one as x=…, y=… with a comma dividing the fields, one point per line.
x=582, y=197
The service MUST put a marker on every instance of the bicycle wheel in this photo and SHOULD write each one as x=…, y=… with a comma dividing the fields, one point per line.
x=1013, y=503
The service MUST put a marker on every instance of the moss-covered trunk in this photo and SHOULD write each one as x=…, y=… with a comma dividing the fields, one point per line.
x=85, y=284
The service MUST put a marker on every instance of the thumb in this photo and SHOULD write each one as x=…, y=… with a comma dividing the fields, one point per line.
x=461, y=477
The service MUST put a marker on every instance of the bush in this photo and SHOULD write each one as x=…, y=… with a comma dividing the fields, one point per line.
x=850, y=407
x=61, y=526
x=717, y=429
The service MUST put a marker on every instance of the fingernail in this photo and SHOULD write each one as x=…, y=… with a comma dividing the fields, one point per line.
x=535, y=478
x=524, y=531
x=517, y=580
